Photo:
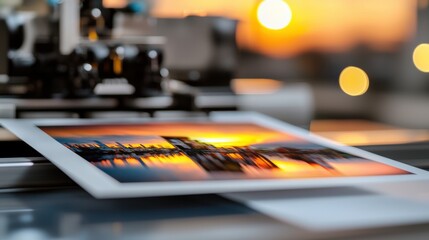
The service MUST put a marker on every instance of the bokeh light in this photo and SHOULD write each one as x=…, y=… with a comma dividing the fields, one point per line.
x=115, y=3
x=274, y=14
x=421, y=57
x=255, y=85
x=354, y=81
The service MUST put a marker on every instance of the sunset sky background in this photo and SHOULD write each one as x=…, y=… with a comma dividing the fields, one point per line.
x=217, y=134
x=338, y=25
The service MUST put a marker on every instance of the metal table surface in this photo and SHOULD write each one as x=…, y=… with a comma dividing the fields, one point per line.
x=37, y=201
x=73, y=214
x=70, y=213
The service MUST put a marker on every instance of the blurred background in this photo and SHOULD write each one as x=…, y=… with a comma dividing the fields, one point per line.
x=354, y=71
x=326, y=65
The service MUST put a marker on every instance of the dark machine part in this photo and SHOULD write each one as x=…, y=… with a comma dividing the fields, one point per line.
x=102, y=68
x=4, y=49
x=15, y=38
x=12, y=32
x=97, y=21
x=131, y=69
x=87, y=70
x=35, y=70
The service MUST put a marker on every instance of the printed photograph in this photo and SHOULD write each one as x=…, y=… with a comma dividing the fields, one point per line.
x=194, y=151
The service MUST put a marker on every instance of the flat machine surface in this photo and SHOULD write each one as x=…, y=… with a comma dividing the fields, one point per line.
x=74, y=214
x=53, y=207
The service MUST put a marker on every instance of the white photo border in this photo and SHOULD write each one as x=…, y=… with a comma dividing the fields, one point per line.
x=101, y=185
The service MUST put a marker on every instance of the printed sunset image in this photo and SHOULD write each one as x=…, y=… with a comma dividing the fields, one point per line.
x=196, y=151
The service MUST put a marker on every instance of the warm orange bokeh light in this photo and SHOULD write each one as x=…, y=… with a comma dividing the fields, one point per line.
x=354, y=81
x=421, y=57
x=274, y=14
x=255, y=85
x=115, y=3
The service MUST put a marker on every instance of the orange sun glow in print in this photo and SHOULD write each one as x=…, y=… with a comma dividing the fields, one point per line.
x=194, y=151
